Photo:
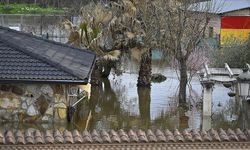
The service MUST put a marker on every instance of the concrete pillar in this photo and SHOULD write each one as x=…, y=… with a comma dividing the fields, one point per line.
x=206, y=123
x=207, y=97
x=207, y=104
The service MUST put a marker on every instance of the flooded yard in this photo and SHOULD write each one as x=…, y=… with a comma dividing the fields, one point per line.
x=118, y=103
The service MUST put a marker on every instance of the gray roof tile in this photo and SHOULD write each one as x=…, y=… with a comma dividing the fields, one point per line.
x=27, y=57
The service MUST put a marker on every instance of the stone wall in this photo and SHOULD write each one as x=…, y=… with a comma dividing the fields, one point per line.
x=33, y=102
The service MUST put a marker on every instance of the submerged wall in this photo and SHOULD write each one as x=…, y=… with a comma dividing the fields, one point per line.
x=33, y=102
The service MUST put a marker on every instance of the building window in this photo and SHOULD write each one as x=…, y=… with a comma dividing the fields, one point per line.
x=210, y=32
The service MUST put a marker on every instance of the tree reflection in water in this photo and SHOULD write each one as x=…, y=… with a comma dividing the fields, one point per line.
x=104, y=110
x=144, y=106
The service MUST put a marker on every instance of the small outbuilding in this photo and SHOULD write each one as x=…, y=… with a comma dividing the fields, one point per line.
x=39, y=79
x=230, y=19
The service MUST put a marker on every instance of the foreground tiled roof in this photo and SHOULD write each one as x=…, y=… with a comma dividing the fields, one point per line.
x=27, y=57
x=132, y=140
x=121, y=136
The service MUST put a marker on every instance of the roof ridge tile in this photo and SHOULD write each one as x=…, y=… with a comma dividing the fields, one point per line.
x=232, y=136
x=223, y=135
x=114, y=136
x=142, y=136
x=196, y=135
x=9, y=137
x=133, y=136
x=77, y=136
x=103, y=136
x=58, y=136
x=2, y=140
x=67, y=137
x=96, y=137
x=29, y=137
x=86, y=136
x=241, y=135
x=123, y=136
x=169, y=136
x=160, y=136
x=38, y=137
x=214, y=135
x=151, y=136
x=19, y=137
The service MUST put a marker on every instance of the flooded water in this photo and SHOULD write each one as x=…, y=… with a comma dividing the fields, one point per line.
x=118, y=103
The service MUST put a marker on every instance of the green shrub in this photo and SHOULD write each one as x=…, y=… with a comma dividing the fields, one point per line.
x=235, y=53
x=7, y=9
x=27, y=9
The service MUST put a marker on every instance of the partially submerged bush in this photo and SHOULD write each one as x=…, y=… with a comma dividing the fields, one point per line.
x=234, y=53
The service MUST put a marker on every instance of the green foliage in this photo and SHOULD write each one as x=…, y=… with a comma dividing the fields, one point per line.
x=235, y=54
x=28, y=9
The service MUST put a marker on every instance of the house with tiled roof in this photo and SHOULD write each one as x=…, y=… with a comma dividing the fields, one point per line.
x=39, y=78
x=230, y=19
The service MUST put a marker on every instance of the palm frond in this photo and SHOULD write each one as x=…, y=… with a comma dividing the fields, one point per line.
x=112, y=55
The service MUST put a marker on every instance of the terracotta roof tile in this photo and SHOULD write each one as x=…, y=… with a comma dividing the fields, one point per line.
x=196, y=136
x=71, y=137
x=142, y=136
x=232, y=136
x=96, y=137
x=49, y=139
x=214, y=135
x=77, y=137
x=160, y=136
x=188, y=136
x=1, y=138
x=86, y=137
x=151, y=136
x=223, y=135
x=58, y=137
x=9, y=137
x=178, y=136
x=206, y=137
x=241, y=135
x=29, y=137
x=124, y=137
x=38, y=137
x=19, y=137
x=248, y=134
x=132, y=135
x=105, y=136
x=169, y=135
x=67, y=137
x=114, y=137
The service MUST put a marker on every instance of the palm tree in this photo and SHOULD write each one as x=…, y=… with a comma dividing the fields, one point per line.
x=108, y=29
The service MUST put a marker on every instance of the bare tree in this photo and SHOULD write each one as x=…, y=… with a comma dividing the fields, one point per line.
x=178, y=26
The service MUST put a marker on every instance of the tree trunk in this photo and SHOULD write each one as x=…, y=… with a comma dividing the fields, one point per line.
x=106, y=68
x=144, y=79
x=183, y=82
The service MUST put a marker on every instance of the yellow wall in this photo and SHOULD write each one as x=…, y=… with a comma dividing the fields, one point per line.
x=237, y=35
